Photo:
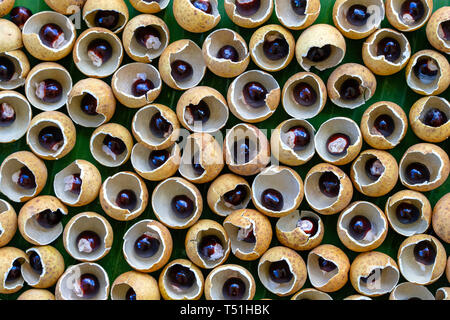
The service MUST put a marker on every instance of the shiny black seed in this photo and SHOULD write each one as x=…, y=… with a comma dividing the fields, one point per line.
x=329, y=184
x=48, y=218
x=424, y=252
x=51, y=138
x=412, y=11
x=417, y=173
x=130, y=295
x=299, y=6
x=350, y=89
x=89, y=104
x=107, y=19
x=389, y=48
x=157, y=158
x=384, y=124
x=272, y=199
x=298, y=137
x=116, y=145
x=141, y=87
x=407, y=213
x=49, y=91
x=280, y=272
x=210, y=247
x=181, y=70
x=89, y=285
x=229, y=53
x=20, y=15
x=316, y=54
x=203, y=5
x=159, y=126
x=181, y=277
x=255, y=94
x=236, y=196
x=90, y=239
x=338, y=143
x=15, y=272
x=99, y=51
x=309, y=225
x=182, y=206
x=435, y=118
x=7, y=69
x=357, y=15
x=233, y=289
x=326, y=265
x=196, y=165
x=197, y=113
x=148, y=37
x=242, y=151
x=51, y=35
x=146, y=246
x=35, y=262
x=426, y=70
x=247, y=8
x=275, y=49
x=26, y=179
x=304, y=94
x=126, y=199
x=359, y=226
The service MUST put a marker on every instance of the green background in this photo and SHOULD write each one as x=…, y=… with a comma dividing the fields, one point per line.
x=392, y=88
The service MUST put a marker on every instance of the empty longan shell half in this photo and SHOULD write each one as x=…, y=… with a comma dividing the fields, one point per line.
x=28, y=220
x=93, y=222
x=105, y=102
x=12, y=165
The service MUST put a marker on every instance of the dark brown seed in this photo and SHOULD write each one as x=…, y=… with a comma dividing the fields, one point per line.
x=247, y=8
x=304, y=94
x=107, y=19
x=255, y=94
x=181, y=71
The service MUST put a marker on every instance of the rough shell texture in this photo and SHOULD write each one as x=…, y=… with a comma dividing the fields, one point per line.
x=6, y=6
x=418, y=273
x=11, y=40
x=8, y=223
x=328, y=281
x=362, y=267
x=318, y=201
x=12, y=164
x=393, y=16
x=417, y=114
x=92, y=6
x=51, y=118
x=291, y=20
x=23, y=114
x=149, y=7
x=372, y=136
x=66, y=6
x=441, y=218
x=436, y=160
x=53, y=267
x=169, y=292
x=88, y=221
x=30, y=230
x=378, y=64
x=407, y=290
x=385, y=183
x=311, y=294
x=22, y=68
x=36, y=294
x=195, y=20
x=434, y=32
x=144, y=285
x=296, y=265
x=7, y=257
x=248, y=219
x=374, y=237
x=262, y=15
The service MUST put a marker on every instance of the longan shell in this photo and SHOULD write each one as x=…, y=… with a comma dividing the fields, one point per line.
x=193, y=19
x=440, y=15
x=144, y=285
x=35, y=165
x=116, y=5
x=36, y=294
x=246, y=22
x=395, y=21
x=7, y=256
x=262, y=230
x=11, y=36
x=386, y=182
x=339, y=258
x=149, y=7
x=68, y=130
x=440, y=260
x=8, y=223
x=363, y=263
x=53, y=262
x=297, y=266
x=24, y=65
x=65, y=6
x=447, y=269
x=5, y=7
x=441, y=218
x=311, y=13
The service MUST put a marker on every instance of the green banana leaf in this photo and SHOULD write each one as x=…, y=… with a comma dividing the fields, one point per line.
x=392, y=88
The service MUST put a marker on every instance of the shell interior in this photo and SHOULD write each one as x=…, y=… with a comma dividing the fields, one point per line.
x=30, y=276
x=302, y=154
x=419, y=226
x=129, y=239
x=442, y=294
x=129, y=73
x=140, y=158
x=432, y=161
x=259, y=55
x=219, y=38
x=318, y=277
x=225, y=208
x=441, y=36
x=23, y=117
x=208, y=231
x=217, y=119
x=163, y=196
x=17, y=79
x=314, y=196
x=141, y=126
x=382, y=281
x=402, y=40
x=295, y=109
x=192, y=54
x=193, y=149
x=369, y=211
x=220, y=276
x=98, y=152
x=89, y=17
x=18, y=283
x=87, y=223
x=239, y=133
x=68, y=283
x=34, y=24
x=140, y=51
x=118, y=182
x=336, y=56
x=289, y=224
x=33, y=137
x=119, y=291
x=281, y=180
x=413, y=270
x=434, y=102
x=56, y=73
x=281, y=288
x=415, y=83
x=288, y=17
x=80, y=117
x=85, y=63
x=177, y=293
x=407, y=290
x=259, y=15
x=360, y=172
x=332, y=126
x=374, y=7
x=399, y=125
x=237, y=98
x=8, y=186
x=360, y=100
x=396, y=8
x=233, y=231
x=313, y=295
x=40, y=234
